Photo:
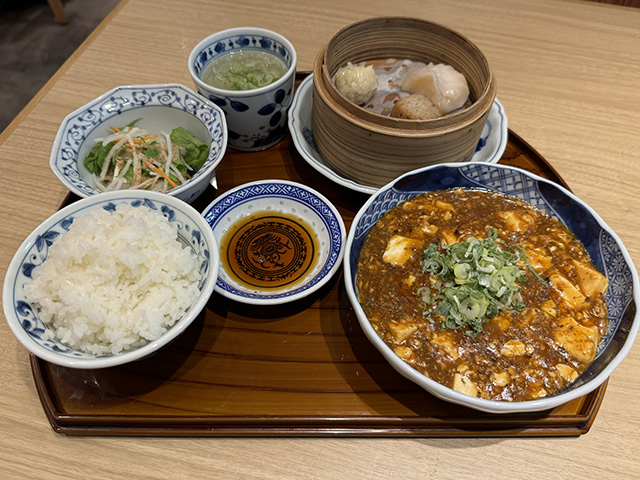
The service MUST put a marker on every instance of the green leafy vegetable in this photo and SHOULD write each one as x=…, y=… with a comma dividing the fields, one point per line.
x=195, y=152
x=132, y=124
x=96, y=157
x=178, y=163
x=473, y=282
x=151, y=152
x=130, y=157
x=94, y=161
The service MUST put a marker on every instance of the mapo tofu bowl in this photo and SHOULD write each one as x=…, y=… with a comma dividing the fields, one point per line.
x=491, y=287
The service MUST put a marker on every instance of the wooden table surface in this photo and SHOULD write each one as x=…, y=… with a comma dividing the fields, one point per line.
x=567, y=74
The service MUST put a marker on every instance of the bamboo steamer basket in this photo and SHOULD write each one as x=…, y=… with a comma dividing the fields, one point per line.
x=373, y=149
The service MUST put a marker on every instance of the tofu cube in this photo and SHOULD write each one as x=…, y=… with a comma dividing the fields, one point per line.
x=579, y=341
x=571, y=294
x=591, y=281
x=464, y=384
x=400, y=249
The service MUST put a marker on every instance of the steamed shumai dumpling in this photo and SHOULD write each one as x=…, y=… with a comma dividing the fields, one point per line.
x=442, y=84
x=356, y=83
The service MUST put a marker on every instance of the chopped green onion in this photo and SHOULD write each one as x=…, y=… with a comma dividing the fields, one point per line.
x=475, y=281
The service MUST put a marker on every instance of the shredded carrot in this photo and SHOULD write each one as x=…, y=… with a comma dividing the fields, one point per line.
x=158, y=171
x=140, y=140
x=135, y=140
x=148, y=137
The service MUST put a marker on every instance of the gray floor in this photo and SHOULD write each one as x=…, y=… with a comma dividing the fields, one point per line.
x=33, y=46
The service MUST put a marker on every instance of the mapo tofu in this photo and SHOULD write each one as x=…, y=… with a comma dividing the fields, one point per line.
x=483, y=293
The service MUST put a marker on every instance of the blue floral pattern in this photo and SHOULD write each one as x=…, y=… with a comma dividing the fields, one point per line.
x=273, y=189
x=605, y=250
x=275, y=113
x=80, y=125
x=272, y=106
x=189, y=234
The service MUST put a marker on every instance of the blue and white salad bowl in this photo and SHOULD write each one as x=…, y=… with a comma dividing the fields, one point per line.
x=257, y=119
x=605, y=248
x=159, y=108
x=23, y=318
x=284, y=197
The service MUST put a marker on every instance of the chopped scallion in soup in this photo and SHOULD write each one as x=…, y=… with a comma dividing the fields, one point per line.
x=244, y=70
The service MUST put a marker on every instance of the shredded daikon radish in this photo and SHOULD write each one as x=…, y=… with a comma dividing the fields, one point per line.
x=107, y=160
x=169, y=165
x=137, y=169
x=150, y=182
x=119, y=180
x=177, y=173
x=126, y=132
x=99, y=185
x=169, y=153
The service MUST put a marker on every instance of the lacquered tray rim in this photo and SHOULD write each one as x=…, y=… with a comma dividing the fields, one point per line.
x=400, y=426
x=315, y=426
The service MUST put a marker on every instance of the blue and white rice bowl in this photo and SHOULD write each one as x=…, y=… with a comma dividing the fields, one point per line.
x=605, y=248
x=257, y=118
x=280, y=196
x=23, y=318
x=160, y=108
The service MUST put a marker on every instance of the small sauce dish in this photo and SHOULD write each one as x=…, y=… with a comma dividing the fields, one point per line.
x=279, y=241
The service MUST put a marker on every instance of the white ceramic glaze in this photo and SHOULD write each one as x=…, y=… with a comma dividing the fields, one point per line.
x=160, y=108
x=491, y=145
x=23, y=318
x=257, y=119
x=280, y=196
x=605, y=248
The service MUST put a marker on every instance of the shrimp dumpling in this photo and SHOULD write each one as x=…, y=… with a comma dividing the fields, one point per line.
x=442, y=84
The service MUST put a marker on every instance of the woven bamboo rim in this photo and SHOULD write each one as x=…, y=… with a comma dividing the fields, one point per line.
x=402, y=37
x=372, y=149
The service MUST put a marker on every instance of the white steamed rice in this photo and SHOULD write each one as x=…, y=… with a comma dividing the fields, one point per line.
x=115, y=280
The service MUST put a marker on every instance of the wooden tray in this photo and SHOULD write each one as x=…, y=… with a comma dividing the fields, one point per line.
x=302, y=369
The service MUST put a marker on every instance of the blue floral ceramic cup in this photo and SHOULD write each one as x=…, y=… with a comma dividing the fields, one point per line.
x=256, y=119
